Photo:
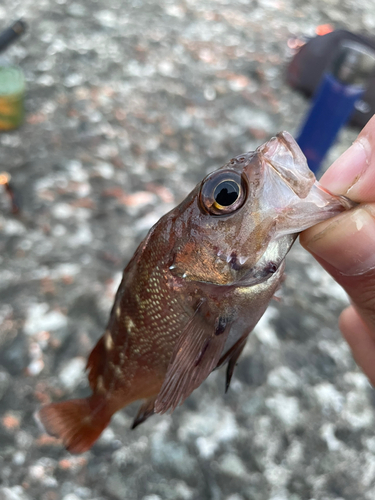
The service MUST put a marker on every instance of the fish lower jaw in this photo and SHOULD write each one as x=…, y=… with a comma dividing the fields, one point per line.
x=270, y=275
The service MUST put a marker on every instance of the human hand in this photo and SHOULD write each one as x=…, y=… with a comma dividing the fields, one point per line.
x=345, y=245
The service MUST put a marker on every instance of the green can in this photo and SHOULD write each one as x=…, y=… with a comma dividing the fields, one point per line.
x=12, y=94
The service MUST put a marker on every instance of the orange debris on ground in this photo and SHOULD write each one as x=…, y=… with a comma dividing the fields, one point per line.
x=323, y=29
x=72, y=463
x=4, y=178
x=47, y=440
x=10, y=421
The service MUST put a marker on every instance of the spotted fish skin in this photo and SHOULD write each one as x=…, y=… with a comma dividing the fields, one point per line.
x=196, y=287
x=151, y=299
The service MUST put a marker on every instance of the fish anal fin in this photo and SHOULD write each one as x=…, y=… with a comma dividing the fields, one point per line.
x=236, y=353
x=195, y=355
x=78, y=422
x=145, y=411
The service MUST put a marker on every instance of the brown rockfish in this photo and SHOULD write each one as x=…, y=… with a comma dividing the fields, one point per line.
x=196, y=287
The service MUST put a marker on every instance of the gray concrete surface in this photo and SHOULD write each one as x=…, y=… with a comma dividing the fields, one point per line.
x=129, y=104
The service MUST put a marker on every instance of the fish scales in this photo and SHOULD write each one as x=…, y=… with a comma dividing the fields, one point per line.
x=196, y=287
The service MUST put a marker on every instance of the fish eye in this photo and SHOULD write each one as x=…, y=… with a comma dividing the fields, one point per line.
x=223, y=192
x=226, y=193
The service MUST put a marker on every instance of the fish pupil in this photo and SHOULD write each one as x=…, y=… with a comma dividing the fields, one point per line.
x=226, y=193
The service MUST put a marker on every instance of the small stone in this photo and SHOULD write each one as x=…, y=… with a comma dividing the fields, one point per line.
x=116, y=486
x=356, y=411
x=14, y=357
x=283, y=378
x=285, y=409
x=4, y=382
x=71, y=496
x=19, y=458
x=72, y=373
x=329, y=397
x=83, y=492
x=249, y=117
x=14, y=493
x=73, y=80
x=172, y=455
x=76, y=10
x=40, y=318
x=107, y=437
x=105, y=170
x=182, y=490
x=233, y=466
x=106, y=17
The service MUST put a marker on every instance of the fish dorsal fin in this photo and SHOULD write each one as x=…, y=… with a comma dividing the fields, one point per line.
x=195, y=355
x=96, y=363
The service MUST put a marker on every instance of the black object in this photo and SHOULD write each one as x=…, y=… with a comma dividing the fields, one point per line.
x=315, y=57
x=11, y=34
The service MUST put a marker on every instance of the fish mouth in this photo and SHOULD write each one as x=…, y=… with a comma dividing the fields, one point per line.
x=283, y=155
x=288, y=187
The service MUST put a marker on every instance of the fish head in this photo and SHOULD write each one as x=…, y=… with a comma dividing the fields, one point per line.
x=239, y=223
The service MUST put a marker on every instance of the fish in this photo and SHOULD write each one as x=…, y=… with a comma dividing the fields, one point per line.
x=195, y=288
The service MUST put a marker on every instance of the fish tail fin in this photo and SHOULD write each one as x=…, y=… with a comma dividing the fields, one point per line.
x=78, y=422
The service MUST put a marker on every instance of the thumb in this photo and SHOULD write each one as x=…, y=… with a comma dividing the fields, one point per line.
x=345, y=247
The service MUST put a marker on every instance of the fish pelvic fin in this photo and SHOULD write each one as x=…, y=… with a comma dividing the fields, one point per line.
x=78, y=422
x=145, y=411
x=195, y=355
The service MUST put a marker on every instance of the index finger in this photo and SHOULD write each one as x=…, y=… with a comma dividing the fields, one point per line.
x=353, y=174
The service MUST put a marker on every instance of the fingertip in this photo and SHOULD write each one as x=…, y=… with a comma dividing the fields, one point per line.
x=350, y=323
x=346, y=171
x=353, y=173
x=360, y=339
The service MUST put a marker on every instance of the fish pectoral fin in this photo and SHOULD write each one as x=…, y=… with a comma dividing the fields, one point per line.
x=195, y=355
x=145, y=411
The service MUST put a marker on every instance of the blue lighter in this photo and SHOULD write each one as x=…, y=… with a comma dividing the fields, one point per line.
x=341, y=87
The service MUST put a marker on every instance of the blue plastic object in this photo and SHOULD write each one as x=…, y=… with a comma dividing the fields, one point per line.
x=332, y=106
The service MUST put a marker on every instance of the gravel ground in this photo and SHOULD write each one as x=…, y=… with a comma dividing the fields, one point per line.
x=129, y=104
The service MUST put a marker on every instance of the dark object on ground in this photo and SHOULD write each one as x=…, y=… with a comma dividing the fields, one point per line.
x=11, y=34
x=312, y=60
x=5, y=181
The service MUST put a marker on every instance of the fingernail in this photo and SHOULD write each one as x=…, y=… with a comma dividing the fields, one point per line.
x=345, y=172
x=347, y=242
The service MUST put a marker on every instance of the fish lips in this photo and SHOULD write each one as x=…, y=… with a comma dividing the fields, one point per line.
x=279, y=169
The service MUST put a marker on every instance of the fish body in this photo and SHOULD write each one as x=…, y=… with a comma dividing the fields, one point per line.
x=196, y=287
